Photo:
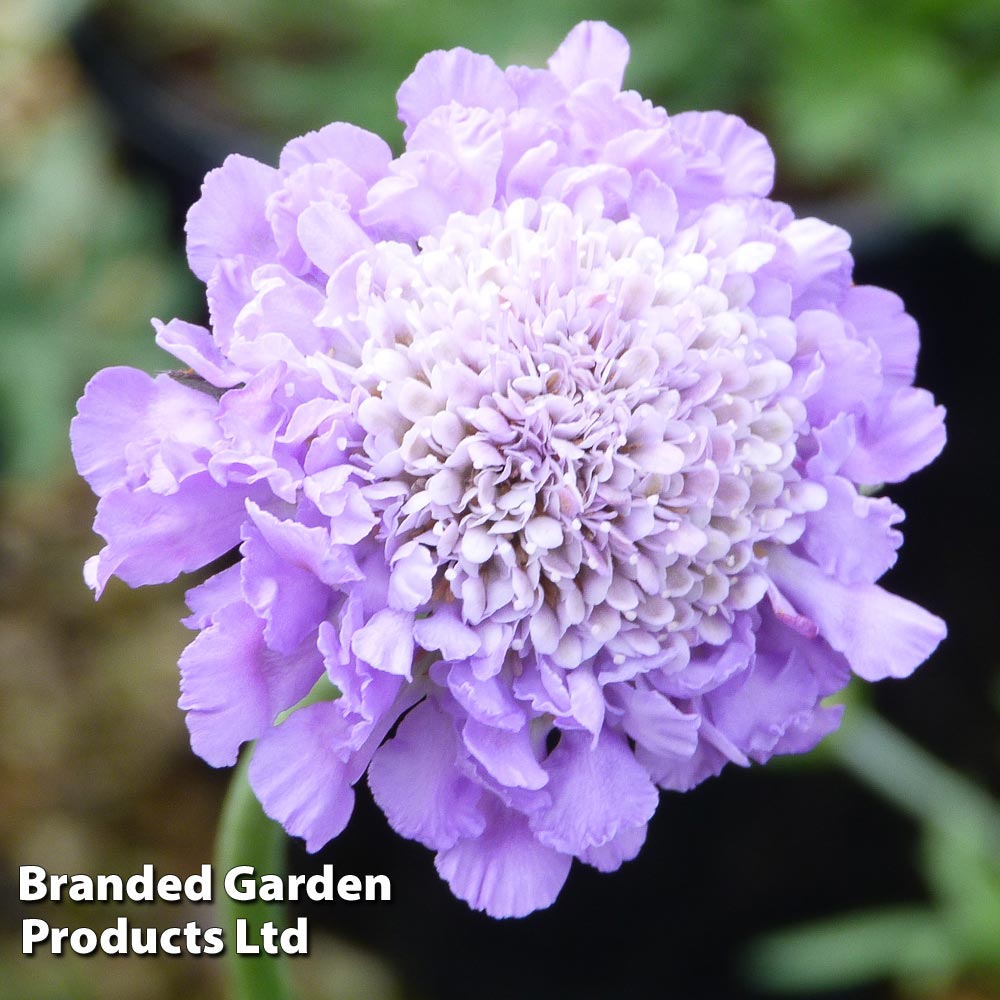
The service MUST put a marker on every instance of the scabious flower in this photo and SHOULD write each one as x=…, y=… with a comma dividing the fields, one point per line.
x=542, y=442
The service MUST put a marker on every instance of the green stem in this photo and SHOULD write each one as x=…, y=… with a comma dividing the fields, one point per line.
x=904, y=773
x=247, y=837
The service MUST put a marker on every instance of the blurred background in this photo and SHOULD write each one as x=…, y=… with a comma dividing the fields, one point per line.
x=870, y=869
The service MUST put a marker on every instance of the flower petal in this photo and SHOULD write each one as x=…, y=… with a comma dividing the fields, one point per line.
x=487, y=699
x=852, y=537
x=593, y=50
x=624, y=846
x=445, y=631
x=596, y=793
x=654, y=721
x=458, y=75
x=228, y=220
x=507, y=755
x=195, y=346
x=416, y=783
x=233, y=687
x=300, y=778
x=505, y=870
x=123, y=421
x=153, y=538
x=450, y=165
x=386, y=642
x=744, y=153
x=881, y=635
x=365, y=153
x=901, y=436
x=330, y=236
x=880, y=315
x=289, y=596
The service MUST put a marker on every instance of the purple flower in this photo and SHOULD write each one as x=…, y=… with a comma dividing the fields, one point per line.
x=542, y=444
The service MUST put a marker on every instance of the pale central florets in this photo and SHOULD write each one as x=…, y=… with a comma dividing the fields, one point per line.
x=583, y=427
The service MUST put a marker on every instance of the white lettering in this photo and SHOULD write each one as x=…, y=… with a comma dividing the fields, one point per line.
x=240, y=885
x=244, y=885
x=290, y=941
x=32, y=883
x=272, y=889
x=83, y=941
x=295, y=940
x=166, y=941
x=215, y=943
x=142, y=887
x=115, y=940
x=349, y=888
x=32, y=932
x=243, y=946
x=320, y=887
x=385, y=889
x=198, y=888
x=168, y=888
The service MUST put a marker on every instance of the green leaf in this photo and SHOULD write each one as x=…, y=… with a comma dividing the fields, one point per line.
x=850, y=950
x=248, y=837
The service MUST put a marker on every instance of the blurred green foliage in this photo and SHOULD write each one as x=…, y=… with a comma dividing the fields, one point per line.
x=899, y=99
x=927, y=949
x=82, y=266
x=84, y=259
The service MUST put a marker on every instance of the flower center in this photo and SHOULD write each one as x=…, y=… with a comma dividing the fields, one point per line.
x=585, y=428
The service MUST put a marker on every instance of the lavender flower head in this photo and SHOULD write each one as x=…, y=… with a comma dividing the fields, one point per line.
x=542, y=442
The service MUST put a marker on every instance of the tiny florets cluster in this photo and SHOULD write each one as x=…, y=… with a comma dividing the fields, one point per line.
x=541, y=443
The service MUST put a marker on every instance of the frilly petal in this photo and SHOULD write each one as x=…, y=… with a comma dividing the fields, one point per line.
x=415, y=781
x=623, y=847
x=822, y=261
x=881, y=635
x=366, y=695
x=410, y=585
x=757, y=708
x=195, y=346
x=281, y=305
x=386, y=642
x=655, y=722
x=847, y=376
x=458, y=75
x=153, y=538
x=209, y=598
x=228, y=290
x=330, y=236
x=332, y=184
x=300, y=777
x=486, y=699
x=450, y=165
x=131, y=428
x=283, y=569
x=445, y=631
x=229, y=216
x=681, y=774
x=880, y=315
x=505, y=870
x=507, y=755
x=593, y=50
x=852, y=537
x=365, y=153
x=596, y=792
x=745, y=156
x=305, y=548
x=233, y=687
x=902, y=435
